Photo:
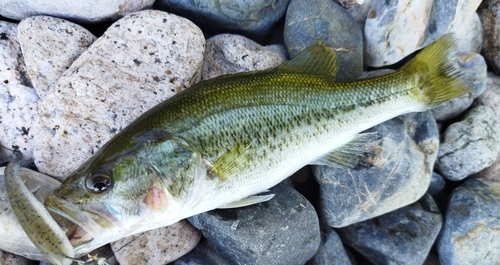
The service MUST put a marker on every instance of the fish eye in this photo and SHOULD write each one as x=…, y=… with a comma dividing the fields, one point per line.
x=98, y=183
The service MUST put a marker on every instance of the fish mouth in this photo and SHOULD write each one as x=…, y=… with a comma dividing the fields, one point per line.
x=87, y=230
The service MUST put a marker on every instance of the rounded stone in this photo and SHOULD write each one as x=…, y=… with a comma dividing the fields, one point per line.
x=489, y=11
x=308, y=21
x=12, y=67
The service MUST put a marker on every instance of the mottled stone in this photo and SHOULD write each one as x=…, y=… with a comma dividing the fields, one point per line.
x=398, y=172
x=79, y=11
x=473, y=67
x=202, y=254
x=12, y=67
x=489, y=11
x=141, y=60
x=307, y=21
x=283, y=230
x=226, y=54
x=18, y=114
x=11, y=259
x=158, y=246
x=469, y=146
x=404, y=236
x=49, y=46
x=471, y=231
x=331, y=250
x=254, y=17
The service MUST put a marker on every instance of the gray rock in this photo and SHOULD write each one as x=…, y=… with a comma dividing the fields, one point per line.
x=18, y=114
x=473, y=66
x=226, y=54
x=202, y=254
x=141, y=60
x=469, y=146
x=471, y=233
x=49, y=46
x=469, y=34
x=437, y=184
x=331, y=250
x=241, y=16
x=399, y=172
x=360, y=12
x=307, y=21
x=404, y=236
x=11, y=259
x=12, y=67
x=158, y=246
x=284, y=230
x=440, y=19
x=83, y=12
x=491, y=96
x=488, y=13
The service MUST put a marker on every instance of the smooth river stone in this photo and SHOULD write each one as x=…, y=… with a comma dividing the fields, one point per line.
x=50, y=45
x=397, y=172
x=140, y=61
x=489, y=11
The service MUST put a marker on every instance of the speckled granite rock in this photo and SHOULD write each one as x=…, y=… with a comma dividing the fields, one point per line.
x=404, y=236
x=158, y=246
x=18, y=114
x=49, y=46
x=12, y=67
x=7, y=258
x=141, y=60
x=473, y=66
x=254, y=17
x=469, y=146
x=283, y=230
x=83, y=11
x=471, y=231
x=227, y=53
x=307, y=21
x=398, y=172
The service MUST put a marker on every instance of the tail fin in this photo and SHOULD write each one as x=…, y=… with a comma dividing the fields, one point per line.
x=439, y=77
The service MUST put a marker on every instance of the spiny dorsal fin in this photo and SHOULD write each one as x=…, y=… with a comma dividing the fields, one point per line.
x=316, y=59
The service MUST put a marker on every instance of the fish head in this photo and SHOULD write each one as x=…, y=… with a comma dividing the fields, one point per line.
x=111, y=197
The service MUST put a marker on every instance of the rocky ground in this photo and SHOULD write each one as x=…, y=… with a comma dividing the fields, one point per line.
x=72, y=76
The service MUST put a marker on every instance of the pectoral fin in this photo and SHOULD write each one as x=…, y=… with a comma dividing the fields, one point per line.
x=248, y=201
x=351, y=154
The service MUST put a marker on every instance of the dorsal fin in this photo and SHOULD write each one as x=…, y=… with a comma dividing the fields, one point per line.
x=316, y=59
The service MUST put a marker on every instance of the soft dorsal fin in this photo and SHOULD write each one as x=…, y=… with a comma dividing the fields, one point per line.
x=316, y=59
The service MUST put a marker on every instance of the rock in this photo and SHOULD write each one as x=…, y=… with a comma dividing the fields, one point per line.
x=12, y=67
x=308, y=21
x=437, y=184
x=395, y=29
x=49, y=46
x=226, y=54
x=242, y=16
x=18, y=114
x=471, y=233
x=469, y=146
x=469, y=34
x=473, y=67
x=82, y=12
x=141, y=60
x=397, y=173
x=488, y=13
x=11, y=259
x=103, y=253
x=331, y=250
x=158, y=246
x=491, y=95
x=202, y=254
x=360, y=12
x=404, y=236
x=283, y=230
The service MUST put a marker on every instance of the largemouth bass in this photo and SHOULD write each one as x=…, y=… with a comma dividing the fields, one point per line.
x=224, y=140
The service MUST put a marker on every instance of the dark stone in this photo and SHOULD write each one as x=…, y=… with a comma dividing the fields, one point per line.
x=399, y=172
x=331, y=250
x=404, y=236
x=284, y=230
x=202, y=254
x=471, y=231
x=310, y=20
x=437, y=184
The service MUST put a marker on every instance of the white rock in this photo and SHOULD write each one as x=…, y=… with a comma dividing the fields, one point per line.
x=49, y=46
x=469, y=34
x=395, y=29
x=79, y=11
x=158, y=246
x=141, y=60
x=12, y=68
x=228, y=53
x=18, y=114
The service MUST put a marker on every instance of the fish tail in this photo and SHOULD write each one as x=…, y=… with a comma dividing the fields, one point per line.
x=437, y=72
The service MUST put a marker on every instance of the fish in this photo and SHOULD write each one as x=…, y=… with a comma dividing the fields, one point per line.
x=221, y=142
x=41, y=228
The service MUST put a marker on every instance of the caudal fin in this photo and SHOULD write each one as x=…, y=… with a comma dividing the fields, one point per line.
x=437, y=68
